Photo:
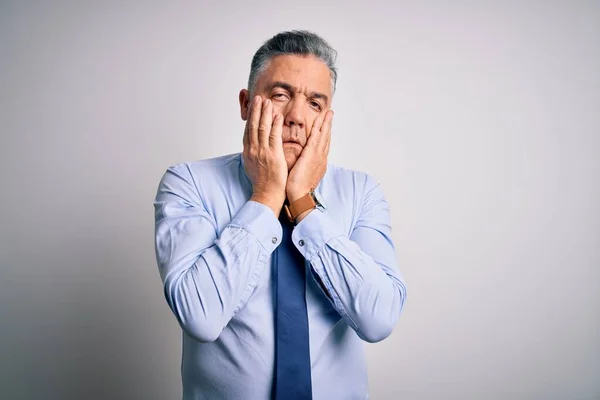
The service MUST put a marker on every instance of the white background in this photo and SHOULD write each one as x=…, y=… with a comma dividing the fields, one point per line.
x=480, y=119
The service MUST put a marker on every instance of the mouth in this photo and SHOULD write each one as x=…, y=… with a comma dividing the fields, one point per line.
x=292, y=142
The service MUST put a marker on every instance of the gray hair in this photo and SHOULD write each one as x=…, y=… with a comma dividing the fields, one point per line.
x=293, y=42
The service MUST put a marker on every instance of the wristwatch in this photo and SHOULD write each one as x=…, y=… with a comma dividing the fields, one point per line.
x=309, y=201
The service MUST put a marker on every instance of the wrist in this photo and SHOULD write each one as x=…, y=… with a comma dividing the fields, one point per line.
x=274, y=202
x=294, y=194
x=301, y=204
x=303, y=215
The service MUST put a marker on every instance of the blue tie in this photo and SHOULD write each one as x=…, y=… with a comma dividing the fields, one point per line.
x=292, y=351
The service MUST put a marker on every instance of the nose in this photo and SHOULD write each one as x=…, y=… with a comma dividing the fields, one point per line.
x=294, y=114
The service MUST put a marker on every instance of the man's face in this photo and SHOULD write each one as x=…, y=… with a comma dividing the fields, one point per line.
x=300, y=89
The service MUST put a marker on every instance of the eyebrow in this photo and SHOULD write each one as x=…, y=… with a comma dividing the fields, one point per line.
x=292, y=89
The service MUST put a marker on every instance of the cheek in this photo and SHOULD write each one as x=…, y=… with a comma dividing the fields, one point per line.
x=278, y=107
x=290, y=158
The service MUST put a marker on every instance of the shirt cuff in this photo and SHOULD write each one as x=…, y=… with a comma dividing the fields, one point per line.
x=261, y=222
x=313, y=232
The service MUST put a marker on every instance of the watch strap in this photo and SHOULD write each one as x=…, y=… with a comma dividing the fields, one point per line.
x=304, y=203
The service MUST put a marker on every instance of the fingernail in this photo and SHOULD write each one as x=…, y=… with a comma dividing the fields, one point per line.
x=267, y=102
x=256, y=99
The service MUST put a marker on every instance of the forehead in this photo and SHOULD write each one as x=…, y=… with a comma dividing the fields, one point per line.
x=306, y=73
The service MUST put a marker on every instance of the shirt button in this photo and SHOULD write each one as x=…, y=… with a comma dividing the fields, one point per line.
x=301, y=242
x=274, y=240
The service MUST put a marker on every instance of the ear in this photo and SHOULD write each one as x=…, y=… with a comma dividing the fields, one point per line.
x=244, y=103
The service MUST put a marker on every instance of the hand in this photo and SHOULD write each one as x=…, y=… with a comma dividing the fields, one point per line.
x=312, y=163
x=263, y=155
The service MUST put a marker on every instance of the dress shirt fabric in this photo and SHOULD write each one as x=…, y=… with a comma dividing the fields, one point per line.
x=213, y=248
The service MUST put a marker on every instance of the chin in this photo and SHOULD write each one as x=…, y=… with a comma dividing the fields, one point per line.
x=290, y=159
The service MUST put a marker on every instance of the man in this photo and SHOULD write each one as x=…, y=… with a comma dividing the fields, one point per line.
x=277, y=264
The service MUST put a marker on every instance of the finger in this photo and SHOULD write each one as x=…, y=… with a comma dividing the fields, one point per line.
x=326, y=127
x=266, y=121
x=275, y=137
x=326, y=130
x=247, y=126
x=327, y=144
x=315, y=132
x=254, y=121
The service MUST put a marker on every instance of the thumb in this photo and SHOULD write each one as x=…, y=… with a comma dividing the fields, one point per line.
x=275, y=137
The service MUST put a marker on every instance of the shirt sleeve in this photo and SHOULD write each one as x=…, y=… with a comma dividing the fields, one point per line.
x=359, y=272
x=208, y=278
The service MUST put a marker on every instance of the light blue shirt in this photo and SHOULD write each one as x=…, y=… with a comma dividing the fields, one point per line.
x=214, y=246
